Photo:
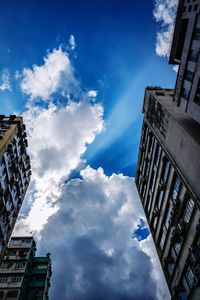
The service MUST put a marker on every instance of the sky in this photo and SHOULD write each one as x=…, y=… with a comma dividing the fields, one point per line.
x=76, y=71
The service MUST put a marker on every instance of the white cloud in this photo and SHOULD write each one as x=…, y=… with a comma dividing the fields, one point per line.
x=57, y=137
x=165, y=13
x=176, y=68
x=54, y=75
x=72, y=42
x=5, y=77
x=92, y=93
x=90, y=236
x=58, y=132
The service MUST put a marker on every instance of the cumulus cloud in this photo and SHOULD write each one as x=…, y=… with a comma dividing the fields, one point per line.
x=90, y=237
x=58, y=133
x=72, y=42
x=165, y=13
x=92, y=93
x=57, y=139
x=56, y=74
x=5, y=78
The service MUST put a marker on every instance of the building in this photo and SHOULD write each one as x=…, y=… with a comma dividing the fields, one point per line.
x=168, y=168
x=14, y=174
x=23, y=276
x=185, y=53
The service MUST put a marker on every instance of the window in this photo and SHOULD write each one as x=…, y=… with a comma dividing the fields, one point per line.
x=15, y=242
x=144, y=189
x=185, y=93
x=151, y=145
x=20, y=265
x=166, y=170
x=3, y=279
x=193, y=55
x=197, y=96
x=197, y=34
x=177, y=248
x=170, y=268
x=12, y=293
x=6, y=265
x=147, y=168
x=168, y=217
x=153, y=180
x=158, y=154
x=188, y=210
x=42, y=266
x=162, y=240
x=190, y=277
x=183, y=295
x=176, y=188
x=188, y=75
x=149, y=201
x=181, y=38
x=160, y=198
x=16, y=278
x=182, y=292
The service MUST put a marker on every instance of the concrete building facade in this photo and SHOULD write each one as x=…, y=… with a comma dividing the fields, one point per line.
x=15, y=172
x=185, y=53
x=23, y=276
x=168, y=168
x=170, y=200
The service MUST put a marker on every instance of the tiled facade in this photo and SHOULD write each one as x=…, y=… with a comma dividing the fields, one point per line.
x=15, y=172
x=23, y=276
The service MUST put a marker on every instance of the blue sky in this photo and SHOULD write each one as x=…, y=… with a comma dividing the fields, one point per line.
x=76, y=71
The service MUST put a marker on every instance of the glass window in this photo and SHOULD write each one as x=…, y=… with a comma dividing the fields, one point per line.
x=147, y=168
x=190, y=277
x=166, y=170
x=198, y=242
x=188, y=210
x=170, y=268
x=149, y=202
x=188, y=75
x=177, y=248
x=197, y=34
x=16, y=278
x=197, y=96
x=12, y=293
x=176, y=188
x=6, y=265
x=168, y=216
x=42, y=266
x=154, y=181
x=12, y=252
x=15, y=242
x=144, y=190
x=160, y=198
x=20, y=265
x=3, y=278
x=150, y=148
x=193, y=55
x=162, y=240
x=185, y=93
x=158, y=154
